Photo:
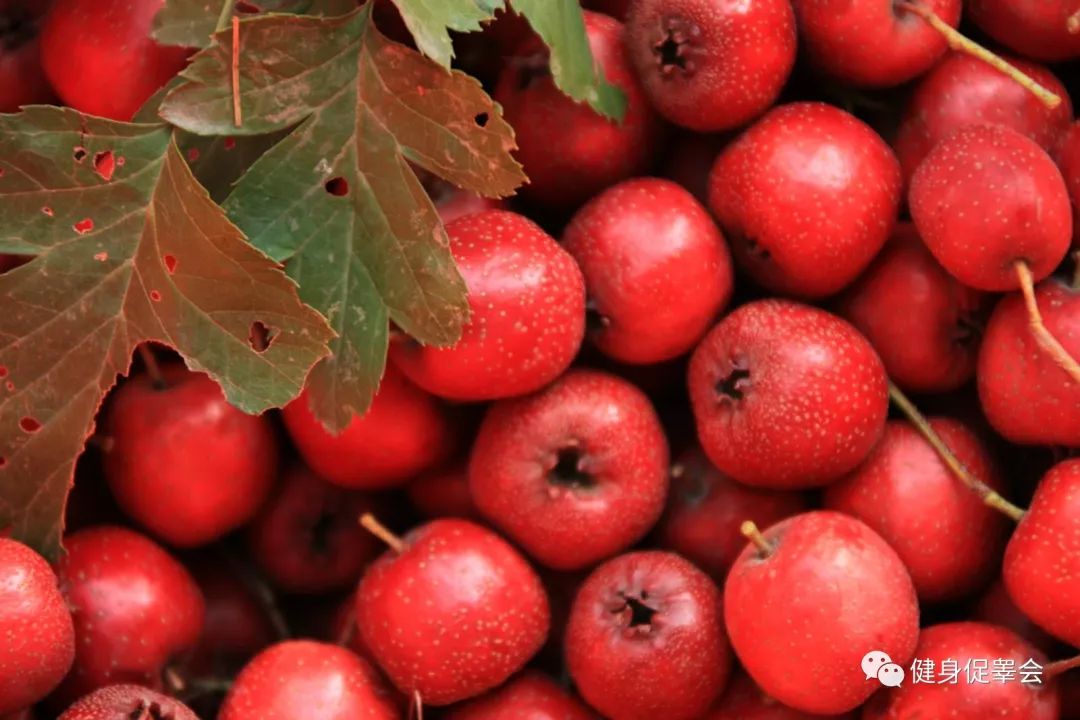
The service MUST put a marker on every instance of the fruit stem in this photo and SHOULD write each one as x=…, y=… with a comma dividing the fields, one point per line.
x=1057, y=667
x=960, y=43
x=417, y=703
x=380, y=531
x=238, y=119
x=173, y=681
x=262, y=592
x=151, y=365
x=1043, y=336
x=1076, y=270
x=984, y=491
x=750, y=531
x=348, y=631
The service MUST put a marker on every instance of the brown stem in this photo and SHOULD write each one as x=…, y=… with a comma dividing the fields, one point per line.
x=380, y=531
x=345, y=637
x=962, y=44
x=238, y=119
x=1043, y=336
x=1057, y=667
x=750, y=531
x=201, y=687
x=1076, y=270
x=417, y=703
x=984, y=491
x=151, y=365
x=174, y=682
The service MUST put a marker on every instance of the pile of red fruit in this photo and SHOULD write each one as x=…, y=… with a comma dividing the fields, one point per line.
x=657, y=478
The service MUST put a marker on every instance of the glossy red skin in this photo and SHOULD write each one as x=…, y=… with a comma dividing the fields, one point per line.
x=731, y=59
x=183, y=462
x=997, y=608
x=236, y=625
x=985, y=197
x=38, y=638
x=1024, y=394
x=948, y=539
x=705, y=509
x=136, y=609
x=1042, y=560
x=454, y=614
x=1037, y=30
x=405, y=431
x=963, y=90
x=100, y=58
x=1068, y=160
x=672, y=666
x=443, y=493
x=307, y=679
x=657, y=270
x=743, y=700
x=22, y=81
x=964, y=641
x=931, y=344
x=806, y=197
x=872, y=44
x=527, y=313
x=127, y=702
x=619, y=445
x=592, y=151
x=308, y=539
x=529, y=696
x=804, y=648
x=812, y=407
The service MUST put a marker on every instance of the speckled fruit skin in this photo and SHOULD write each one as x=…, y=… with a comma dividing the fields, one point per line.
x=37, y=640
x=307, y=679
x=1038, y=30
x=574, y=473
x=786, y=395
x=136, y=609
x=1025, y=395
x=871, y=43
x=454, y=614
x=530, y=696
x=646, y=639
x=100, y=58
x=444, y=493
x=527, y=313
x=947, y=537
x=963, y=642
x=931, y=344
x=657, y=270
x=404, y=432
x=806, y=197
x=183, y=462
x=1068, y=160
x=570, y=152
x=235, y=626
x=22, y=80
x=743, y=700
x=128, y=702
x=711, y=66
x=985, y=197
x=705, y=509
x=962, y=90
x=307, y=538
x=1042, y=560
x=853, y=593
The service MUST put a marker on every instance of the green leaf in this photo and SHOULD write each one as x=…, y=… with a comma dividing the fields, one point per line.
x=430, y=20
x=337, y=197
x=560, y=24
x=137, y=254
x=190, y=23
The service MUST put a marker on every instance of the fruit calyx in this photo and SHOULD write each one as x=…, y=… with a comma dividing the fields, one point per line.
x=734, y=386
x=634, y=613
x=568, y=470
x=672, y=50
x=144, y=710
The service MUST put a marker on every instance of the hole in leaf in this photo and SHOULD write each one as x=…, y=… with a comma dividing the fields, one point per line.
x=193, y=155
x=3, y=461
x=105, y=165
x=481, y=119
x=79, y=154
x=84, y=226
x=1, y=172
x=338, y=186
x=155, y=296
x=260, y=336
x=29, y=424
x=170, y=263
x=10, y=386
x=101, y=256
x=3, y=371
x=228, y=143
x=120, y=161
x=47, y=211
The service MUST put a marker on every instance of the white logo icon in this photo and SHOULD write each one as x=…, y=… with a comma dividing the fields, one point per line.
x=878, y=664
